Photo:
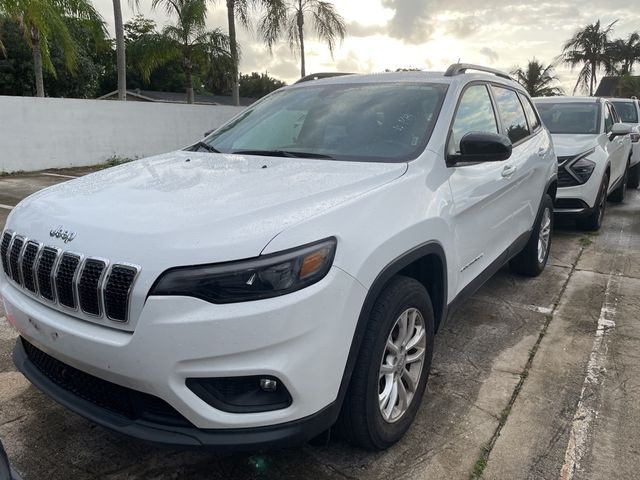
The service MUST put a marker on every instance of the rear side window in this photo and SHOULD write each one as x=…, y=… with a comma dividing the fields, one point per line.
x=474, y=114
x=511, y=113
x=532, y=117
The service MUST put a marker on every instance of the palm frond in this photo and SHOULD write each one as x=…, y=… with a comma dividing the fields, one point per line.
x=328, y=23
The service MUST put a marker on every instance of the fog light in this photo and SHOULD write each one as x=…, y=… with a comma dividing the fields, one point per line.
x=257, y=393
x=268, y=384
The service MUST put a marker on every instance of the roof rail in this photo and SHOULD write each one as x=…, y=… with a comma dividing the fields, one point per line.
x=319, y=76
x=460, y=68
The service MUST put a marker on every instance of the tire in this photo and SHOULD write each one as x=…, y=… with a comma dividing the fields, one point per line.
x=362, y=421
x=532, y=259
x=617, y=196
x=634, y=177
x=593, y=221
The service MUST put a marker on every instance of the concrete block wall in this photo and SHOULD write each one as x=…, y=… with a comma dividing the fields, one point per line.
x=41, y=133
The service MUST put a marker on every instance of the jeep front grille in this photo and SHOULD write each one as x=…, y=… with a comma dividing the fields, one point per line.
x=69, y=280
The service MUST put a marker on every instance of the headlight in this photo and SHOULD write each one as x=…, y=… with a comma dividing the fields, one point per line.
x=635, y=137
x=262, y=277
x=582, y=169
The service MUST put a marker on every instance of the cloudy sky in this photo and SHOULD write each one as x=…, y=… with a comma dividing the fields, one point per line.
x=428, y=34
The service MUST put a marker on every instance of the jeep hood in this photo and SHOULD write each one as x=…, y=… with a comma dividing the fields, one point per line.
x=189, y=208
x=569, y=145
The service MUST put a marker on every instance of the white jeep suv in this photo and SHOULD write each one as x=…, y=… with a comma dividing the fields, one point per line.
x=628, y=110
x=594, y=151
x=287, y=272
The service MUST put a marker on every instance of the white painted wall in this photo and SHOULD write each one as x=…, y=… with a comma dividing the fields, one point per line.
x=40, y=133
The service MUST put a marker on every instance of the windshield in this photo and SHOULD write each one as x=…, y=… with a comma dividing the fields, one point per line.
x=386, y=122
x=626, y=111
x=570, y=118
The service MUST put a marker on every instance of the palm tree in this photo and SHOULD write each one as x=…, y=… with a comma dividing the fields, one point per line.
x=623, y=54
x=588, y=47
x=121, y=56
x=328, y=24
x=43, y=22
x=241, y=10
x=188, y=40
x=537, y=79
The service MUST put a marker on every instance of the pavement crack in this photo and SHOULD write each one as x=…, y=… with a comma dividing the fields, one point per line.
x=483, y=458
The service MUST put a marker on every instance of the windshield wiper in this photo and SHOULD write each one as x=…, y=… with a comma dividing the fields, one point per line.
x=284, y=153
x=201, y=145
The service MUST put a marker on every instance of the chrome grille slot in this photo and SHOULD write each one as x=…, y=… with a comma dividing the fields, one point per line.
x=45, y=269
x=65, y=276
x=4, y=250
x=14, y=258
x=89, y=286
x=28, y=261
x=94, y=288
x=117, y=291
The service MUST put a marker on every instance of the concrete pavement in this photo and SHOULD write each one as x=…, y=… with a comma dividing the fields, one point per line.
x=532, y=378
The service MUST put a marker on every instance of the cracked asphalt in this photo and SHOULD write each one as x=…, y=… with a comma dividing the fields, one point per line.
x=532, y=379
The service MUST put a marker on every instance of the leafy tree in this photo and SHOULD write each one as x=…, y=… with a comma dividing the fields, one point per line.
x=257, y=85
x=43, y=23
x=187, y=40
x=588, y=47
x=289, y=21
x=623, y=54
x=94, y=60
x=537, y=79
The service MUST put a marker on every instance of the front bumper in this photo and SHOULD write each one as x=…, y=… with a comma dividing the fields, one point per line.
x=282, y=435
x=579, y=200
x=302, y=338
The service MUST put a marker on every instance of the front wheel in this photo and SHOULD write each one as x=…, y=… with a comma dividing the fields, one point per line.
x=617, y=196
x=593, y=220
x=533, y=257
x=393, y=365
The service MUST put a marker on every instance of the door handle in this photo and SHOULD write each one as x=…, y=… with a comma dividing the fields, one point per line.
x=542, y=151
x=508, y=170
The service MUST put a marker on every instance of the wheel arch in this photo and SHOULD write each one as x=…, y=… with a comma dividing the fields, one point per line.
x=427, y=264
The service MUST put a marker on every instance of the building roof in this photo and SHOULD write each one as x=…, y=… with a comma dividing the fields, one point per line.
x=608, y=87
x=178, y=97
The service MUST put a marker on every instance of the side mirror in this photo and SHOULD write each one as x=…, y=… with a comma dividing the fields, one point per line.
x=483, y=147
x=620, y=130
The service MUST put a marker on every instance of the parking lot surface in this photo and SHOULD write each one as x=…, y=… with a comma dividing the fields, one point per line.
x=532, y=379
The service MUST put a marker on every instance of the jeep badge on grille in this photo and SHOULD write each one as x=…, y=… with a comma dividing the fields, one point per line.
x=64, y=235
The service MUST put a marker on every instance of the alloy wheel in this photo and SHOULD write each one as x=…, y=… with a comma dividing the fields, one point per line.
x=401, y=365
x=544, y=235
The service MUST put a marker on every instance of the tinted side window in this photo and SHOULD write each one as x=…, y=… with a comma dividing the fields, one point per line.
x=608, y=119
x=474, y=114
x=512, y=114
x=532, y=117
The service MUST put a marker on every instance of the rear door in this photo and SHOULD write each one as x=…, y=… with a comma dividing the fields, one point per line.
x=483, y=193
x=529, y=159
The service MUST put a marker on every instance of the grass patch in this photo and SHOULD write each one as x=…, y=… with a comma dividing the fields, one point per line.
x=480, y=464
x=586, y=241
x=115, y=161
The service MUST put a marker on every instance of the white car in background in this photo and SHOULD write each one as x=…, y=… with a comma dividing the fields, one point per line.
x=593, y=149
x=628, y=110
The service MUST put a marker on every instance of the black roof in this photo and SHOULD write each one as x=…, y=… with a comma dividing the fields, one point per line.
x=608, y=87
